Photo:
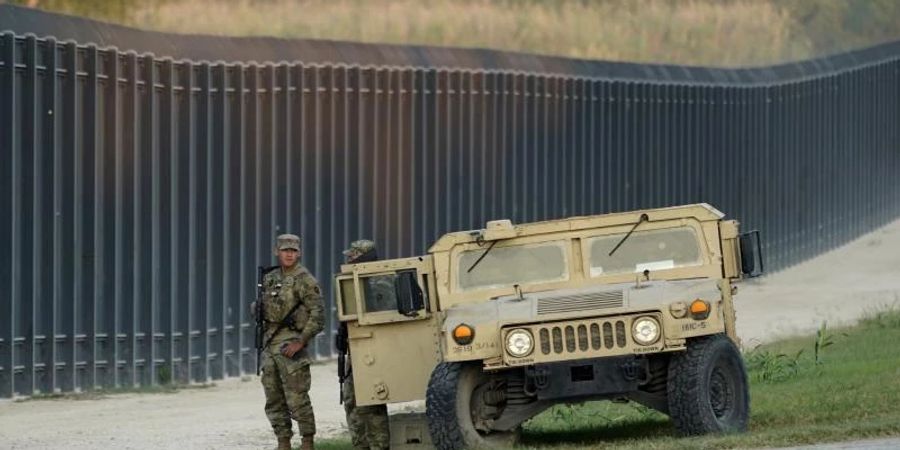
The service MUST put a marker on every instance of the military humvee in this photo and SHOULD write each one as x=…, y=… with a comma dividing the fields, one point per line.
x=493, y=326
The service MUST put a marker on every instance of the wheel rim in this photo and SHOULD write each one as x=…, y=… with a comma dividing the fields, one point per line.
x=721, y=393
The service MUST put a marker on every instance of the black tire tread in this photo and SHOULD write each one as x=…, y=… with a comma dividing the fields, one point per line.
x=685, y=407
x=440, y=407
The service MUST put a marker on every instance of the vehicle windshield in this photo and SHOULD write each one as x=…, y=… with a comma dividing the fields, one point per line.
x=515, y=264
x=645, y=250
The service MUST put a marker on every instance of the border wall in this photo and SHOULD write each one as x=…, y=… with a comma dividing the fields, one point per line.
x=143, y=176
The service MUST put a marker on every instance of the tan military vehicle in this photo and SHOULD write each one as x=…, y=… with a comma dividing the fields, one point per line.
x=493, y=326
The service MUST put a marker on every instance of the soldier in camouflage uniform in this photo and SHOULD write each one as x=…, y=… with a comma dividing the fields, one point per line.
x=285, y=361
x=368, y=424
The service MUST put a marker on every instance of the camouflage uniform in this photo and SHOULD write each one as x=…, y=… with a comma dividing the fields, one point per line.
x=369, y=427
x=286, y=381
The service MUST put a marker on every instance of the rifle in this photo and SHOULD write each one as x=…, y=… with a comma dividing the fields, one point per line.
x=342, y=345
x=261, y=272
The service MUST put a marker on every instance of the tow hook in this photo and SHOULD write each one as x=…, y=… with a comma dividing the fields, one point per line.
x=635, y=369
x=536, y=379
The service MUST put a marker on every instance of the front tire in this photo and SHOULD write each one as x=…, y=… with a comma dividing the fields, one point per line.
x=452, y=399
x=707, y=388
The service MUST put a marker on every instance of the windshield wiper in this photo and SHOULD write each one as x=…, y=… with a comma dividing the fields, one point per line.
x=643, y=219
x=482, y=255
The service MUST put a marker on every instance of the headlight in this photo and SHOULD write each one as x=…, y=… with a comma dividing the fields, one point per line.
x=645, y=330
x=519, y=343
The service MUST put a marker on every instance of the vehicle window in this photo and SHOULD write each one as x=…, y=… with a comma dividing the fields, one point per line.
x=379, y=294
x=506, y=266
x=645, y=250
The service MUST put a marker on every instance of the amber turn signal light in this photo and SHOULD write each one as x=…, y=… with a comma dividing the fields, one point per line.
x=463, y=334
x=699, y=309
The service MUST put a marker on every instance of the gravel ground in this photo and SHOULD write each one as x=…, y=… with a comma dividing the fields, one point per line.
x=838, y=287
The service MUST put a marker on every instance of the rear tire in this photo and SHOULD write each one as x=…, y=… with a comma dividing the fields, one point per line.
x=449, y=409
x=707, y=388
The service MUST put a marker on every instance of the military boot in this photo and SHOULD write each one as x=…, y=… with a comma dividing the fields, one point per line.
x=284, y=443
x=307, y=443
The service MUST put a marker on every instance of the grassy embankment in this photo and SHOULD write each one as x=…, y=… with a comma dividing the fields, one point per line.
x=848, y=389
x=707, y=32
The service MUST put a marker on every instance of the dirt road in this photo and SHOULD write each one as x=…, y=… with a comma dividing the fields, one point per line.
x=837, y=287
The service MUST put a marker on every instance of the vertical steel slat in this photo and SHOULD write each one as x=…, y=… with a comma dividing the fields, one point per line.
x=437, y=133
x=593, y=149
x=443, y=164
x=287, y=99
x=360, y=131
x=349, y=202
x=246, y=284
x=252, y=188
x=585, y=203
x=40, y=330
x=91, y=170
x=467, y=149
x=318, y=155
x=36, y=187
x=153, y=140
x=386, y=173
x=207, y=189
x=331, y=233
x=193, y=283
x=52, y=109
x=168, y=322
x=378, y=178
x=134, y=260
x=544, y=176
x=272, y=151
x=113, y=198
x=485, y=192
x=179, y=301
x=71, y=211
x=427, y=154
x=404, y=164
x=220, y=240
x=11, y=192
x=507, y=141
x=530, y=162
x=415, y=222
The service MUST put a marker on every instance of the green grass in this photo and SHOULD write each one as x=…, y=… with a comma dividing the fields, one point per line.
x=852, y=393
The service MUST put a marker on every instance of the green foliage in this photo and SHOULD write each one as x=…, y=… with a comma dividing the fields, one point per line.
x=164, y=375
x=770, y=367
x=823, y=340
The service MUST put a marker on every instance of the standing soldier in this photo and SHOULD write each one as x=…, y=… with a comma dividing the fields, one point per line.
x=292, y=313
x=368, y=424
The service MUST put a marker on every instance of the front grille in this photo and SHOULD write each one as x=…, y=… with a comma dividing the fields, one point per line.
x=583, y=337
x=580, y=302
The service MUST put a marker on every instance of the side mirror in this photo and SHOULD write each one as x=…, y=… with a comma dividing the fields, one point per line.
x=410, y=299
x=751, y=253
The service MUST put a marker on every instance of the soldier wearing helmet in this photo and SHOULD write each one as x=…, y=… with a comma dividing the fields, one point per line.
x=293, y=313
x=368, y=425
